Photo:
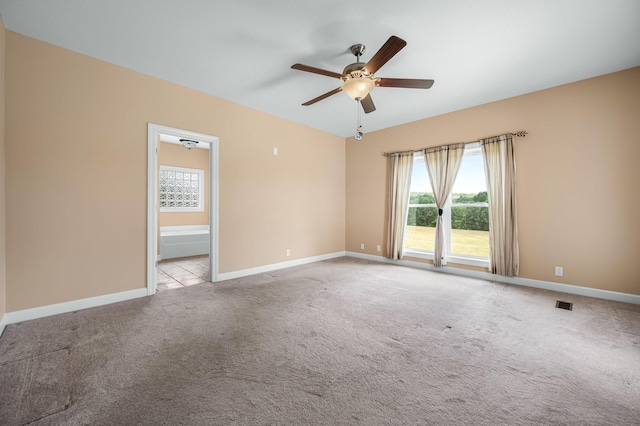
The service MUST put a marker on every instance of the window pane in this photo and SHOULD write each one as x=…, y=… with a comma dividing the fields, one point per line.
x=421, y=219
x=470, y=224
x=470, y=231
x=180, y=188
x=421, y=228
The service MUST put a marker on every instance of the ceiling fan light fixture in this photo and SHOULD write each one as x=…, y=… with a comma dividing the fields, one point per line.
x=358, y=87
x=358, y=78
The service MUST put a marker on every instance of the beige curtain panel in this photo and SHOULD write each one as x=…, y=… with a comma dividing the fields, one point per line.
x=500, y=169
x=399, y=184
x=443, y=164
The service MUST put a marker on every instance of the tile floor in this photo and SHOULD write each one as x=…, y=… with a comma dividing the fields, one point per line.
x=182, y=272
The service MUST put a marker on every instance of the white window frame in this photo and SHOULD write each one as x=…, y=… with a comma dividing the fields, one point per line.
x=200, y=207
x=418, y=158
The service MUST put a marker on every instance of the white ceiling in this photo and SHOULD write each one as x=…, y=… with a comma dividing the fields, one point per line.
x=476, y=51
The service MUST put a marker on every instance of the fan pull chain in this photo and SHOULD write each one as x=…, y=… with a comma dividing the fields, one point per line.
x=359, y=128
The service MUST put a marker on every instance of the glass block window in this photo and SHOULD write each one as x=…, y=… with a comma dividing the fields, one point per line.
x=181, y=189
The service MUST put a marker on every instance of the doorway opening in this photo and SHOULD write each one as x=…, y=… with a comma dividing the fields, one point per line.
x=182, y=208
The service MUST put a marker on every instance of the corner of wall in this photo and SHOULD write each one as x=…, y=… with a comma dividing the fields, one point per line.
x=3, y=291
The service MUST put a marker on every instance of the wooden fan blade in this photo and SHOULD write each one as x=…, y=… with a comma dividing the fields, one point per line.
x=386, y=52
x=321, y=97
x=410, y=83
x=367, y=104
x=307, y=68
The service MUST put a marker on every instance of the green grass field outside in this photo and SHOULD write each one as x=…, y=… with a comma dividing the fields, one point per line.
x=474, y=243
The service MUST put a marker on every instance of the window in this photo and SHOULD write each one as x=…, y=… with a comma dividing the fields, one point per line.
x=466, y=215
x=181, y=189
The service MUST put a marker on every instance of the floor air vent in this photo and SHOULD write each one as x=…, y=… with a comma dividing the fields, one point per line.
x=564, y=305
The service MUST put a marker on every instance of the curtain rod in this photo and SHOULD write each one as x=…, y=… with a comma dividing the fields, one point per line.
x=518, y=134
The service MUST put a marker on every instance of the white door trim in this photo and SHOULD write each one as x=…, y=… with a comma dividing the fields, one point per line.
x=153, y=133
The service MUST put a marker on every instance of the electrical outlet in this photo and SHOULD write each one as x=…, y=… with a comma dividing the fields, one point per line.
x=288, y=252
x=559, y=271
x=378, y=247
x=361, y=246
x=275, y=150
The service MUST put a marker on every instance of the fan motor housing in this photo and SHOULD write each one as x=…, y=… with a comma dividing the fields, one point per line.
x=353, y=70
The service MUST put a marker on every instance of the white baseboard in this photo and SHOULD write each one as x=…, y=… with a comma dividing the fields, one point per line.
x=275, y=266
x=74, y=305
x=527, y=282
x=3, y=324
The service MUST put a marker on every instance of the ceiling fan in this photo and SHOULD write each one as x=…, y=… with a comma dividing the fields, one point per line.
x=358, y=78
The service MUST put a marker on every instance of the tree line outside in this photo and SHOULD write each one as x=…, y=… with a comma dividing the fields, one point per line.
x=470, y=218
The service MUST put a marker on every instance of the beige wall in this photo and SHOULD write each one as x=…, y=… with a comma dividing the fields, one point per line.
x=170, y=154
x=2, y=178
x=577, y=177
x=76, y=196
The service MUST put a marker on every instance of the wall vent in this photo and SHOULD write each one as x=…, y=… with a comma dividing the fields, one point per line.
x=564, y=305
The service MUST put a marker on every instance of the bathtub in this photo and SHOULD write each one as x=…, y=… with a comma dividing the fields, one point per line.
x=183, y=241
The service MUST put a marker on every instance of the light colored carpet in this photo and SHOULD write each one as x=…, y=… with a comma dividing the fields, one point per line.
x=340, y=342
